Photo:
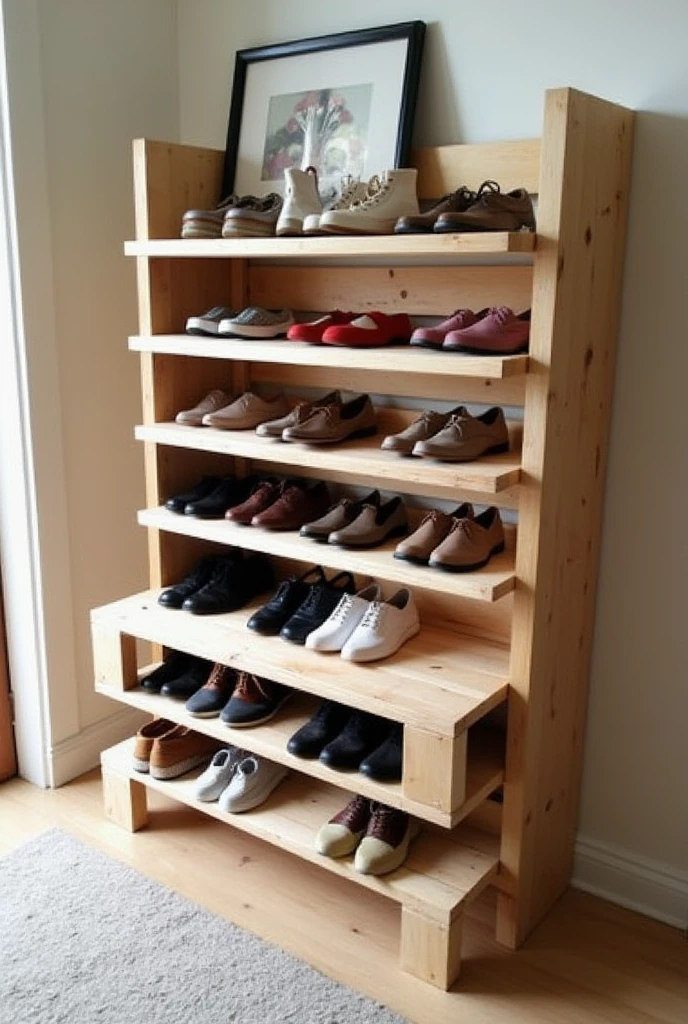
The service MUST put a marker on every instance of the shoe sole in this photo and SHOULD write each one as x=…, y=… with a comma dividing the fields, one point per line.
x=204, y=714
x=289, y=226
x=496, y=449
x=468, y=568
x=201, y=332
x=173, y=771
x=474, y=350
x=256, y=332
x=256, y=721
x=407, y=635
x=398, y=531
x=437, y=345
x=362, y=343
x=364, y=432
x=140, y=766
x=413, y=559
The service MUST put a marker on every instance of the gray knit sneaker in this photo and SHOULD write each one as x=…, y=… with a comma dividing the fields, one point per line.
x=255, y=322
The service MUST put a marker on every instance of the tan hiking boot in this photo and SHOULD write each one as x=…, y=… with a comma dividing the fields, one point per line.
x=431, y=531
x=467, y=437
x=470, y=543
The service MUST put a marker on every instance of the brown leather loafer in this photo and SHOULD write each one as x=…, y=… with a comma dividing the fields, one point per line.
x=493, y=210
x=453, y=202
x=373, y=526
x=295, y=505
x=467, y=437
x=470, y=543
x=431, y=531
x=336, y=423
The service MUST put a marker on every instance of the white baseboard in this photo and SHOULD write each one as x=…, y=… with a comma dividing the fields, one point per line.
x=652, y=888
x=81, y=752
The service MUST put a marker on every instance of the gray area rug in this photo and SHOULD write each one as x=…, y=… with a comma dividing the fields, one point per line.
x=87, y=940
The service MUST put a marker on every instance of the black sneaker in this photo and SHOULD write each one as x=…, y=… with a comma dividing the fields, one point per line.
x=232, y=585
x=321, y=601
x=254, y=701
x=188, y=682
x=205, y=486
x=175, y=663
x=229, y=491
x=202, y=573
x=362, y=734
x=385, y=762
x=209, y=701
x=327, y=722
x=290, y=594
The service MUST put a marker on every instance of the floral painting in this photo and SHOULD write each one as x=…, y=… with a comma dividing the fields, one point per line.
x=325, y=128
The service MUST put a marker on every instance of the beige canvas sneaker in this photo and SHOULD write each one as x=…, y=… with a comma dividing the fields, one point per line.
x=431, y=531
x=470, y=543
x=247, y=411
x=352, y=189
x=213, y=401
x=467, y=437
x=386, y=199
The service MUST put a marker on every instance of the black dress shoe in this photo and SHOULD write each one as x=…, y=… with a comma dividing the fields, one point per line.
x=205, y=486
x=320, y=603
x=172, y=667
x=385, y=762
x=229, y=491
x=289, y=596
x=233, y=584
x=359, y=737
x=201, y=574
x=327, y=722
x=255, y=700
x=193, y=679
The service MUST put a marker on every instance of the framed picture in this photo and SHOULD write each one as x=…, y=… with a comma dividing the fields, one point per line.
x=342, y=103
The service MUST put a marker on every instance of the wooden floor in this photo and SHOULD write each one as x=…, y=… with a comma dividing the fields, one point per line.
x=588, y=962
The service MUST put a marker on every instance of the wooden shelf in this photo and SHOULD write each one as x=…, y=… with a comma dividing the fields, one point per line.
x=489, y=584
x=360, y=460
x=485, y=762
x=396, y=359
x=439, y=876
x=439, y=681
x=494, y=243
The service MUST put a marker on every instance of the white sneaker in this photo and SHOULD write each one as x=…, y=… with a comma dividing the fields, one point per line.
x=218, y=774
x=333, y=633
x=383, y=629
x=301, y=199
x=352, y=189
x=386, y=199
x=252, y=783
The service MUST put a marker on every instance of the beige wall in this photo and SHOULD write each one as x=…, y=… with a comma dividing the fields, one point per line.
x=484, y=73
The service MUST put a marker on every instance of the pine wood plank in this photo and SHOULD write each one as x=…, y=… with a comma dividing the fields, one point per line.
x=484, y=761
x=360, y=460
x=449, y=246
x=514, y=164
x=437, y=879
x=440, y=681
x=488, y=584
x=399, y=359
x=169, y=179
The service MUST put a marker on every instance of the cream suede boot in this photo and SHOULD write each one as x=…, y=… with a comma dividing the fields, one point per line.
x=301, y=198
x=387, y=199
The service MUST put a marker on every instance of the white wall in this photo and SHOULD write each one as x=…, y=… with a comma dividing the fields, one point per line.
x=84, y=78
x=484, y=73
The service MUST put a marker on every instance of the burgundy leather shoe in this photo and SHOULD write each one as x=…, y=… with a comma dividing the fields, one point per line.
x=262, y=496
x=295, y=505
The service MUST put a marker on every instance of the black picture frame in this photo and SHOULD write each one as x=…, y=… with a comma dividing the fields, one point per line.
x=412, y=32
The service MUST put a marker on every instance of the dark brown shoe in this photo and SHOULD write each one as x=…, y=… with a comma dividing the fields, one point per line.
x=453, y=202
x=295, y=505
x=493, y=210
x=260, y=498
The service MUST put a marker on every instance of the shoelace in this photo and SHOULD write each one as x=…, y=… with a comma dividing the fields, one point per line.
x=246, y=687
x=352, y=811
x=373, y=615
x=463, y=526
x=376, y=197
x=343, y=608
x=375, y=187
x=486, y=191
x=502, y=314
x=349, y=187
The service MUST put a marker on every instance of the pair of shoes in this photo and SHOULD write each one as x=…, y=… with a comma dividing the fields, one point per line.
x=167, y=751
x=301, y=604
x=360, y=524
x=211, y=496
x=239, y=780
x=456, y=436
x=460, y=542
x=365, y=627
x=354, y=330
x=220, y=583
x=252, y=322
x=380, y=835
x=175, y=665
x=207, y=324
x=299, y=414
x=182, y=686
x=217, y=409
x=332, y=422
x=234, y=216
x=488, y=209
x=422, y=223
x=240, y=699
x=375, y=212
x=496, y=331
x=284, y=505
x=344, y=738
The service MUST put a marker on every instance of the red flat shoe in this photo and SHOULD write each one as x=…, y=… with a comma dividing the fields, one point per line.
x=371, y=330
x=313, y=331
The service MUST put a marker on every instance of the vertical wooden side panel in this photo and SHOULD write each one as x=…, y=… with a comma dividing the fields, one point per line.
x=584, y=189
x=114, y=657
x=169, y=179
x=124, y=800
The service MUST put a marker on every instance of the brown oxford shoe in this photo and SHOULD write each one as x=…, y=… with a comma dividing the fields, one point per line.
x=295, y=505
x=453, y=202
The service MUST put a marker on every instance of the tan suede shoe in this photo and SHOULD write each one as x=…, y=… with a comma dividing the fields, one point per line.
x=467, y=437
x=300, y=412
x=247, y=411
x=427, y=424
x=373, y=526
x=180, y=750
x=431, y=531
x=145, y=738
x=470, y=543
x=336, y=422
x=213, y=401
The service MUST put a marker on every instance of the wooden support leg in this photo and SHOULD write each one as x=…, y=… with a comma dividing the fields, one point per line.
x=506, y=921
x=429, y=950
x=435, y=768
x=114, y=657
x=124, y=800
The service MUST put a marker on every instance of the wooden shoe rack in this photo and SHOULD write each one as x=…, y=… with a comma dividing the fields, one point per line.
x=492, y=692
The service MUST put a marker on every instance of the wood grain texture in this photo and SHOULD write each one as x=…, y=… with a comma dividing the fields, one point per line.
x=124, y=799
x=435, y=768
x=442, y=169
x=169, y=179
x=429, y=950
x=577, y=276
